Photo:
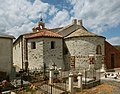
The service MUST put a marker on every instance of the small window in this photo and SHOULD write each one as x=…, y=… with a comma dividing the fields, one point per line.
x=52, y=45
x=98, y=50
x=19, y=43
x=33, y=45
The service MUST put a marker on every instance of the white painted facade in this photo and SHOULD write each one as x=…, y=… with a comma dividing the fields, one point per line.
x=17, y=53
x=6, y=55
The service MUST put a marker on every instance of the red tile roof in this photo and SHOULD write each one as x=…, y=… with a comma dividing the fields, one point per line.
x=43, y=33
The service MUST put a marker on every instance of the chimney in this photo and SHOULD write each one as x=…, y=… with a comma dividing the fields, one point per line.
x=80, y=22
x=74, y=21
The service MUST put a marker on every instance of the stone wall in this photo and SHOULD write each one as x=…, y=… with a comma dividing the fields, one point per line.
x=35, y=56
x=44, y=54
x=55, y=55
x=80, y=48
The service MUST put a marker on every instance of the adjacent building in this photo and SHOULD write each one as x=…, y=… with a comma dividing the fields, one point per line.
x=6, y=56
x=112, y=56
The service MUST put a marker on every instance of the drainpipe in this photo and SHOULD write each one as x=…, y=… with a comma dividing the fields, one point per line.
x=22, y=49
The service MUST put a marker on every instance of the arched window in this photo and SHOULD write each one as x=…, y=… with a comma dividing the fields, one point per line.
x=98, y=50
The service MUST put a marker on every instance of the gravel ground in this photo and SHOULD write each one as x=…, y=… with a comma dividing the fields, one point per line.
x=116, y=90
x=106, y=87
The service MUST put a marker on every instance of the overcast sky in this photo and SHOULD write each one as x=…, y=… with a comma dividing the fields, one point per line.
x=99, y=16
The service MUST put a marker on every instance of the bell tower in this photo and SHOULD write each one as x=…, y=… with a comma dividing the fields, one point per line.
x=41, y=25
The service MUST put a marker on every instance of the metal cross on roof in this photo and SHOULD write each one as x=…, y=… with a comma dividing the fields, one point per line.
x=41, y=19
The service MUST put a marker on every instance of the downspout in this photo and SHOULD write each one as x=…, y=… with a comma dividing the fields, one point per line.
x=22, y=49
x=11, y=66
x=26, y=50
x=64, y=60
x=26, y=57
x=25, y=61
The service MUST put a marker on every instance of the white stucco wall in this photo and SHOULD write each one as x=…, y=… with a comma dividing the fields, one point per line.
x=6, y=56
x=81, y=47
x=17, y=53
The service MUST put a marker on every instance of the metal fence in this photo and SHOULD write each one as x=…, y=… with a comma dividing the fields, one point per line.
x=55, y=88
x=90, y=78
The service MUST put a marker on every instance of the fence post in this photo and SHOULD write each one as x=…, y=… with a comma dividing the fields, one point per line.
x=102, y=68
x=80, y=80
x=60, y=72
x=89, y=67
x=71, y=83
x=51, y=76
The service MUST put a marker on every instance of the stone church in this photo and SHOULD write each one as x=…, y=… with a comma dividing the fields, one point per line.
x=71, y=46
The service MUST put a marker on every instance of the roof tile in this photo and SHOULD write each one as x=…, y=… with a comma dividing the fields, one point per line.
x=43, y=33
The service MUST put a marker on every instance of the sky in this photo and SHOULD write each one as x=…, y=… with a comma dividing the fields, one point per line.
x=99, y=16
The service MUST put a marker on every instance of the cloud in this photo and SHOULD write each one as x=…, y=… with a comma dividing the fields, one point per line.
x=114, y=40
x=37, y=8
x=16, y=30
x=52, y=10
x=16, y=16
x=60, y=18
x=98, y=15
x=19, y=16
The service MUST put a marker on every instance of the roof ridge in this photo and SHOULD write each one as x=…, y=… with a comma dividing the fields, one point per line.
x=65, y=27
x=82, y=32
